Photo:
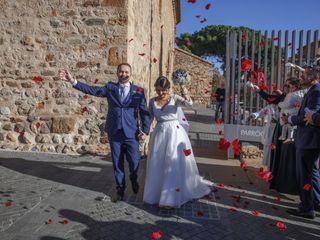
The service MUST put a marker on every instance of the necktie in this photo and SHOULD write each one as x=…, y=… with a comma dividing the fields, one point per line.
x=122, y=93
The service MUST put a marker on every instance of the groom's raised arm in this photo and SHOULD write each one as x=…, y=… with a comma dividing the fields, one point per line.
x=65, y=75
x=92, y=90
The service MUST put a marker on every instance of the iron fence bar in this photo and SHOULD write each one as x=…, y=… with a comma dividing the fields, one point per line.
x=316, y=44
x=308, y=47
x=233, y=74
x=279, y=59
x=286, y=46
x=300, y=50
x=272, y=61
x=239, y=78
x=227, y=83
x=266, y=43
x=245, y=75
x=258, y=67
x=252, y=60
x=293, y=52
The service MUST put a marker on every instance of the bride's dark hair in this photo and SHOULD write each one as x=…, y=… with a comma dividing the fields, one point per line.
x=162, y=82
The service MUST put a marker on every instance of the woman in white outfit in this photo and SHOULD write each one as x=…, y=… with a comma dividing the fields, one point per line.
x=270, y=113
x=172, y=177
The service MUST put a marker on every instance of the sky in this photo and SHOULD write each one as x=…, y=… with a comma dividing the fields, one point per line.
x=256, y=14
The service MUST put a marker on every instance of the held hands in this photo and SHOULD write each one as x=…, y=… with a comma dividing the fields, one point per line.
x=65, y=75
x=142, y=136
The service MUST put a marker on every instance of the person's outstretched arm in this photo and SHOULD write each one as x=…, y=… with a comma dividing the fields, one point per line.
x=65, y=75
x=184, y=101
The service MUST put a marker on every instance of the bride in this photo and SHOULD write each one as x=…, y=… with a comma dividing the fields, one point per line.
x=172, y=177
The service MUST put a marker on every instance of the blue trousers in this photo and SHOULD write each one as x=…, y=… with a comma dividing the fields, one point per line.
x=123, y=147
x=307, y=167
x=219, y=106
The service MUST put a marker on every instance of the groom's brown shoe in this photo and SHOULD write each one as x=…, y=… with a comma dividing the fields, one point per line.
x=135, y=186
x=117, y=197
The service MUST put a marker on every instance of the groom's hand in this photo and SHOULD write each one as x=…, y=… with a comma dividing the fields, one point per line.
x=142, y=136
x=65, y=75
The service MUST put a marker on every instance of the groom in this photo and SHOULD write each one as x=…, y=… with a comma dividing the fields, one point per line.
x=126, y=102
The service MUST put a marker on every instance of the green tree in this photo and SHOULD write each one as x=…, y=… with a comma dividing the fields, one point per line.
x=209, y=41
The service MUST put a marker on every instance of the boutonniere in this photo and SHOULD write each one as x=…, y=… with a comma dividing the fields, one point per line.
x=138, y=89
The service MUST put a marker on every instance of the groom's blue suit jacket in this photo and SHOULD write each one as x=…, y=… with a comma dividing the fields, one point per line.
x=308, y=137
x=122, y=115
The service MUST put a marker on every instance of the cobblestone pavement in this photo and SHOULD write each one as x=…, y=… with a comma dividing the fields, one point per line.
x=56, y=197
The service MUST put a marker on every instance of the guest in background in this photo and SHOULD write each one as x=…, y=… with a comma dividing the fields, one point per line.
x=290, y=106
x=220, y=100
x=307, y=147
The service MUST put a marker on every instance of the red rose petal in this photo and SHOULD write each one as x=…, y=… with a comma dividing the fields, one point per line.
x=187, y=152
x=220, y=132
x=200, y=214
x=177, y=189
x=271, y=99
x=84, y=109
x=275, y=38
x=178, y=126
x=96, y=81
x=218, y=121
x=246, y=65
x=156, y=235
x=38, y=125
x=273, y=146
x=243, y=165
x=306, y=187
x=233, y=209
x=261, y=44
x=221, y=185
x=264, y=175
x=256, y=213
x=142, y=54
x=203, y=20
x=278, y=198
x=131, y=40
x=139, y=89
x=8, y=204
x=155, y=60
x=65, y=221
x=223, y=144
x=281, y=226
x=37, y=78
x=49, y=221
x=207, y=7
x=85, y=96
x=198, y=16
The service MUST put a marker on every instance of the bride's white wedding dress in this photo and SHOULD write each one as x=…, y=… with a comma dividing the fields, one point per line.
x=172, y=177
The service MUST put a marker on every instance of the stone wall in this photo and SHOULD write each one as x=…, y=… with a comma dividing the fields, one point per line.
x=151, y=40
x=201, y=72
x=38, y=112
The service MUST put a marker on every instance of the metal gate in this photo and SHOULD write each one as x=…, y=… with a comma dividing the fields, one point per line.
x=268, y=53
